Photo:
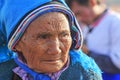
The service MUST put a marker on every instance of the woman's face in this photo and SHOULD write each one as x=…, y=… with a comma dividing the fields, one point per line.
x=46, y=43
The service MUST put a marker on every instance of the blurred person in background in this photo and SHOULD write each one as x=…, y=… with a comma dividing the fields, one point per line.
x=102, y=41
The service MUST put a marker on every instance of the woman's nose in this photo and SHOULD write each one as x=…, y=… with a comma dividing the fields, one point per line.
x=54, y=47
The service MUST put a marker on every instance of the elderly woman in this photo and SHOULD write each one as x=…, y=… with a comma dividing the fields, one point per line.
x=46, y=39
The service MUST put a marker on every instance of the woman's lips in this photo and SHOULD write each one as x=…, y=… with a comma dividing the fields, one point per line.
x=52, y=61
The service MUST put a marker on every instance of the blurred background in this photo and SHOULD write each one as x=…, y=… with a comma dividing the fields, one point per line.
x=114, y=4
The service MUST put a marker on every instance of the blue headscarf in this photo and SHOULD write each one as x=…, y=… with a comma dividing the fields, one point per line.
x=15, y=16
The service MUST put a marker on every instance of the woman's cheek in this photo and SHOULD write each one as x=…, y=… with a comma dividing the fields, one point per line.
x=67, y=43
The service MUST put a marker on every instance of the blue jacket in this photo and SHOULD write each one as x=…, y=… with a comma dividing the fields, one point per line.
x=81, y=67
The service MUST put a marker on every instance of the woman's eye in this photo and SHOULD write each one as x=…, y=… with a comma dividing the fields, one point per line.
x=43, y=36
x=64, y=34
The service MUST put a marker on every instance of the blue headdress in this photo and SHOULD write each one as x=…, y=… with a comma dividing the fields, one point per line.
x=17, y=15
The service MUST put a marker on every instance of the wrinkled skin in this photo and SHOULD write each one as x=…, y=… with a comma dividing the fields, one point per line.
x=46, y=43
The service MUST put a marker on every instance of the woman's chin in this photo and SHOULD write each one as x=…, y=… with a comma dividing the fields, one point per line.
x=49, y=69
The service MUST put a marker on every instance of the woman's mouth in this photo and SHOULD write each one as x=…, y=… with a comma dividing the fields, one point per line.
x=52, y=61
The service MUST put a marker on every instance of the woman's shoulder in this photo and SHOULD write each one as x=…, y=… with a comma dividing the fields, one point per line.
x=83, y=60
x=82, y=67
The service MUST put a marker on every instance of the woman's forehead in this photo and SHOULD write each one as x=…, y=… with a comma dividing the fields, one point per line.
x=50, y=22
x=52, y=16
x=50, y=19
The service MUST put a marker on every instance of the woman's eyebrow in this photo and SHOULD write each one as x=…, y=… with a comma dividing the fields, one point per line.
x=65, y=31
x=50, y=34
x=44, y=33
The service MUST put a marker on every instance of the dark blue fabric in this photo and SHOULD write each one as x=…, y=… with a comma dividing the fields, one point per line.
x=6, y=70
x=108, y=76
